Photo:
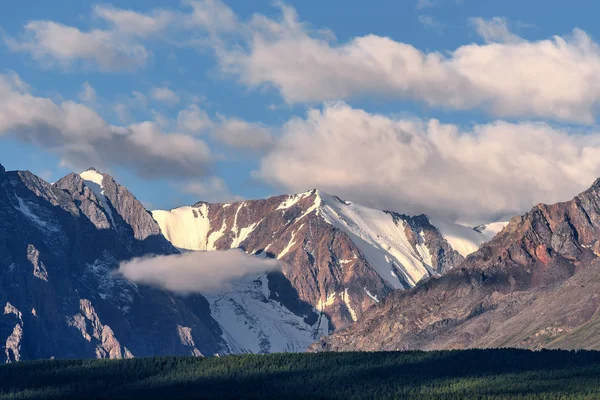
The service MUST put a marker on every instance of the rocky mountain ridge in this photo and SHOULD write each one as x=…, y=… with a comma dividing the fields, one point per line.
x=535, y=285
x=61, y=243
x=59, y=247
x=339, y=256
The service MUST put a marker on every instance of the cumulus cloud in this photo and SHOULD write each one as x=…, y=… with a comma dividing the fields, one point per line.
x=55, y=44
x=232, y=132
x=192, y=119
x=118, y=45
x=164, y=95
x=556, y=78
x=212, y=15
x=82, y=138
x=195, y=272
x=212, y=189
x=243, y=135
x=130, y=22
x=414, y=166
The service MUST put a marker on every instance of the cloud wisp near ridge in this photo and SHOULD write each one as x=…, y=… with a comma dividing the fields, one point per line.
x=195, y=272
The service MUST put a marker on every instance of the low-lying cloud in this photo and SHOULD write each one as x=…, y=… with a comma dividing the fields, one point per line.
x=194, y=272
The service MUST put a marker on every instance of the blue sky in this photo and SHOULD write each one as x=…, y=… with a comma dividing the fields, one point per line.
x=255, y=100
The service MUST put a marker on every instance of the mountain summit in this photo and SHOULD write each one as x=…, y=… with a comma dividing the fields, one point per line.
x=534, y=285
x=339, y=256
x=59, y=247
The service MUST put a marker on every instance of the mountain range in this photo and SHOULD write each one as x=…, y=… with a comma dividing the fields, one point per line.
x=534, y=285
x=350, y=277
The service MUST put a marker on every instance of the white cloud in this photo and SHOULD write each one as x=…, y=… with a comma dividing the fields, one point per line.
x=118, y=46
x=242, y=135
x=232, y=132
x=495, y=30
x=87, y=93
x=195, y=272
x=124, y=105
x=556, y=78
x=212, y=15
x=54, y=44
x=415, y=166
x=212, y=189
x=193, y=120
x=164, y=95
x=82, y=138
x=130, y=22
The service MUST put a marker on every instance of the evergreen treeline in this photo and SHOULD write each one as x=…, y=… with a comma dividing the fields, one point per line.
x=466, y=374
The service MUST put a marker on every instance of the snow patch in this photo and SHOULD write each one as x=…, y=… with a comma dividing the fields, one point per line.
x=185, y=227
x=253, y=323
x=241, y=234
x=27, y=209
x=380, y=239
x=371, y=296
x=463, y=239
x=292, y=200
x=93, y=180
x=188, y=227
x=290, y=244
x=109, y=286
x=215, y=236
x=346, y=299
x=314, y=207
x=324, y=304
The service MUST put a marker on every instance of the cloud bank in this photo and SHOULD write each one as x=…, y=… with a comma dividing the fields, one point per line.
x=194, y=272
x=416, y=166
x=556, y=78
x=77, y=134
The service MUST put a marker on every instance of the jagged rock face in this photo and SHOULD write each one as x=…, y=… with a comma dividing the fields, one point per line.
x=111, y=206
x=339, y=257
x=534, y=285
x=59, y=247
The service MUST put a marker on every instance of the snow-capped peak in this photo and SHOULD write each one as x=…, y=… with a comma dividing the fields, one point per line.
x=93, y=179
x=92, y=175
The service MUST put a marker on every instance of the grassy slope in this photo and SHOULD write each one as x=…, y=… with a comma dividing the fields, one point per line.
x=477, y=374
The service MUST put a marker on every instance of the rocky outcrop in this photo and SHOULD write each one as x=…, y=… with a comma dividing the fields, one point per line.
x=340, y=257
x=88, y=323
x=11, y=322
x=534, y=285
x=59, y=247
x=108, y=205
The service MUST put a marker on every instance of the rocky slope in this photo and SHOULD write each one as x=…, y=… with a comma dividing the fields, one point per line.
x=59, y=246
x=61, y=243
x=340, y=257
x=534, y=285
